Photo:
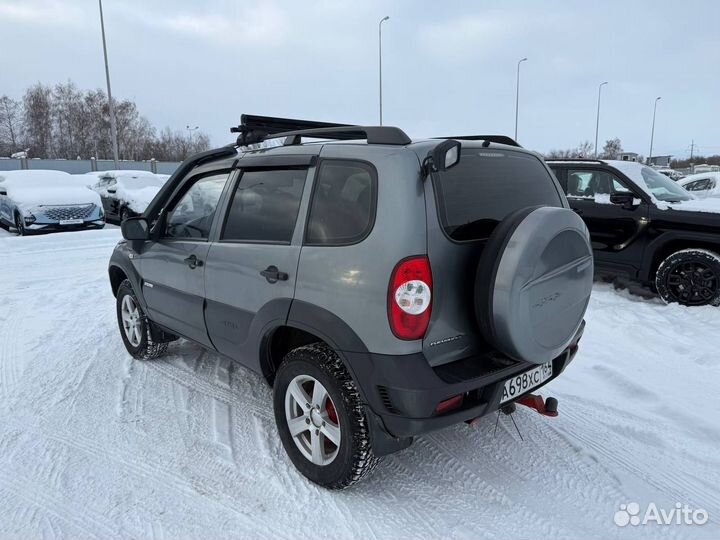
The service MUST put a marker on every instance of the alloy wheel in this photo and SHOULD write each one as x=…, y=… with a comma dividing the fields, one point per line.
x=312, y=420
x=692, y=283
x=131, y=320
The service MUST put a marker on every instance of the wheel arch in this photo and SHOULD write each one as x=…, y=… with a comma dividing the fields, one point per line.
x=308, y=323
x=661, y=248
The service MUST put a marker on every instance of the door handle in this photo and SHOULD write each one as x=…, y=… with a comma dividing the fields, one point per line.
x=193, y=262
x=578, y=211
x=273, y=275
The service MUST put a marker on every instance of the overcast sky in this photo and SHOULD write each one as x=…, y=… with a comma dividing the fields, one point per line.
x=448, y=67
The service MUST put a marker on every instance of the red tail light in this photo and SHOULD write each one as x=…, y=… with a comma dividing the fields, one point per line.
x=410, y=298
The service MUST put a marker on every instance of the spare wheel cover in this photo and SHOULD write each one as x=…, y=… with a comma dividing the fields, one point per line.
x=533, y=283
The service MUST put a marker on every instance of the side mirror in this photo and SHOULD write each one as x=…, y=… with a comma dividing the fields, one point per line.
x=623, y=198
x=136, y=228
x=446, y=155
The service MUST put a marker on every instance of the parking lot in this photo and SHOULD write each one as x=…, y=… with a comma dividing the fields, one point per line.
x=95, y=444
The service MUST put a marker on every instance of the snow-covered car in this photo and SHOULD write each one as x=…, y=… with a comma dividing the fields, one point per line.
x=672, y=174
x=702, y=185
x=44, y=201
x=126, y=194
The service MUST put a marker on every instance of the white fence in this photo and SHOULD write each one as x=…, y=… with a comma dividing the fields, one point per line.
x=79, y=166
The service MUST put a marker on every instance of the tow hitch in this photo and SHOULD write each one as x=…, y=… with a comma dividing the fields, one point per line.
x=546, y=407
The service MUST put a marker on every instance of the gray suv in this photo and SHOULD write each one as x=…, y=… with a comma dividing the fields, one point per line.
x=384, y=287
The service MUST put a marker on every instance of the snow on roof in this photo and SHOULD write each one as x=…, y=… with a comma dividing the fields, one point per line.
x=31, y=188
x=34, y=175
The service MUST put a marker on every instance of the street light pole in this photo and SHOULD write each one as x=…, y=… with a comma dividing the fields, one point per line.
x=380, y=61
x=597, y=121
x=652, y=133
x=111, y=108
x=517, y=94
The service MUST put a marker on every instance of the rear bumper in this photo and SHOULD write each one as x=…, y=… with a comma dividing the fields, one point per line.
x=404, y=391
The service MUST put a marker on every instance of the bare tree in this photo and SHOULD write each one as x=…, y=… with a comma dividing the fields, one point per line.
x=37, y=104
x=583, y=150
x=612, y=149
x=11, y=123
x=65, y=122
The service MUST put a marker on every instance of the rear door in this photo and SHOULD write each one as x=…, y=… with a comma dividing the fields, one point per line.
x=173, y=267
x=252, y=264
x=464, y=205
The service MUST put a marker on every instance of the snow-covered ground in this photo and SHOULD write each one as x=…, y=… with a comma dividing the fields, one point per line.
x=94, y=444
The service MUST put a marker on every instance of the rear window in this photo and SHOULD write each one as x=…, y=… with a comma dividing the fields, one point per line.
x=487, y=185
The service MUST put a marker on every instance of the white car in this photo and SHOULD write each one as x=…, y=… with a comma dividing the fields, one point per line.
x=702, y=185
x=42, y=201
x=126, y=194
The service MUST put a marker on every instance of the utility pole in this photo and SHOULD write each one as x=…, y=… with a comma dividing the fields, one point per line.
x=380, y=60
x=692, y=149
x=597, y=120
x=111, y=108
x=517, y=94
x=652, y=133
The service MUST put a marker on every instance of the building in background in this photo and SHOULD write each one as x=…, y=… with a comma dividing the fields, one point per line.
x=628, y=156
x=659, y=161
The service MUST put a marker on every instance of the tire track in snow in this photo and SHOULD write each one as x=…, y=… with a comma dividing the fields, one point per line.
x=665, y=481
x=207, y=388
x=475, y=483
x=89, y=523
x=190, y=487
x=10, y=363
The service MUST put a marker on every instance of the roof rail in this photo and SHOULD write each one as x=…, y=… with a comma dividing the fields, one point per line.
x=255, y=129
x=501, y=139
x=373, y=134
x=579, y=159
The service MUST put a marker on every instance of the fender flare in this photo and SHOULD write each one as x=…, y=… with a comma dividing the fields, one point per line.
x=119, y=261
x=666, y=238
x=326, y=326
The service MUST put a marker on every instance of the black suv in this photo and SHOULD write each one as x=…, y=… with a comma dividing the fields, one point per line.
x=646, y=227
x=384, y=287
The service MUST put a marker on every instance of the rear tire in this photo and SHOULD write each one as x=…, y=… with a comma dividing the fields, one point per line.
x=339, y=465
x=690, y=277
x=135, y=326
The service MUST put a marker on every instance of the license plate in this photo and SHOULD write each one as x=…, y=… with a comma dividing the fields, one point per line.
x=71, y=222
x=520, y=384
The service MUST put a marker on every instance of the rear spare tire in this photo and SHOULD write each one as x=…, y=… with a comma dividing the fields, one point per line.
x=533, y=283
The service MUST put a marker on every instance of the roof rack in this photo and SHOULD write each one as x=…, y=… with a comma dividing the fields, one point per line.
x=501, y=139
x=255, y=129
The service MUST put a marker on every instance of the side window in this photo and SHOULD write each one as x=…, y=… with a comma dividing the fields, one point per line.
x=589, y=184
x=342, y=210
x=265, y=206
x=698, y=185
x=192, y=215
